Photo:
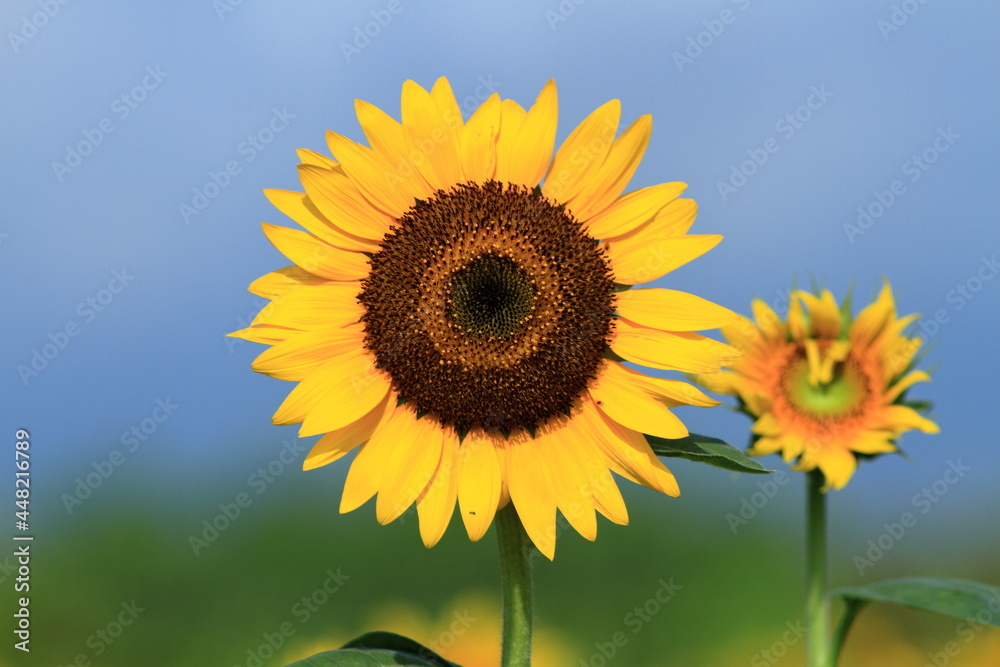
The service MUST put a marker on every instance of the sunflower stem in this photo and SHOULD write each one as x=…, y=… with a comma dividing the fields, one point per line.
x=817, y=606
x=516, y=551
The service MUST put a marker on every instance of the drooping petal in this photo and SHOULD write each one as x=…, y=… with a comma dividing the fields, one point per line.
x=436, y=504
x=479, y=483
x=414, y=460
x=619, y=397
x=335, y=444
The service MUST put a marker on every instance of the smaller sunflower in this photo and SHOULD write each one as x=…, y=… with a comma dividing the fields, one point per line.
x=824, y=389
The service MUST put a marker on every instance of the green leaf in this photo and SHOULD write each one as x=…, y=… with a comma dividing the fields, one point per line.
x=708, y=450
x=377, y=649
x=951, y=597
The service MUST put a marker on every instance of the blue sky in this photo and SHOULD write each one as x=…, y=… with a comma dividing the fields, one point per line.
x=788, y=120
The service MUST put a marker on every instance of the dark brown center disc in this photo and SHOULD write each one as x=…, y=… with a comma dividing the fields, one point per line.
x=488, y=306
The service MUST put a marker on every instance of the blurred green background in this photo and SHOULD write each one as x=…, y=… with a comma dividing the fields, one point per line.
x=733, y=599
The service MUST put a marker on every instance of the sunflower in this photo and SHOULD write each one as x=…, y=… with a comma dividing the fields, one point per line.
x=824, y=389
x=458, y=307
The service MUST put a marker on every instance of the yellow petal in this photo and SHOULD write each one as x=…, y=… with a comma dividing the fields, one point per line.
x=436, y=504
x=339, y=201
x=273, y=285
x=531, y=492
x=632, y=210
x=312, y=157
x=530, y=156
x=873, y=442
x=905, y=383
x=303, y=353
x=681, y=351
x=479, y=141
x=414, y=459
x=765, y=446
x=901, y=418
x=333, y=304
x=602, y=188
x=838, y=466
x=385, y=135
x=768, y=321
x=298, y=207
x=583, y=152
x=431, y=142
x=824, y=314
x=628, y=449
x=478, y=483
x=796, y=321
x=364, y=478
x=671, y=310
x=637, y=259
x=347, y=386
x=873, y=318
x=263, y=334
x=512, y=117
x=335, y=444
x=562, y=447
x=371, y=175
x=766, y=424
x=672, y=393
x=628, y=403
x=315, y=255
x=446, y=102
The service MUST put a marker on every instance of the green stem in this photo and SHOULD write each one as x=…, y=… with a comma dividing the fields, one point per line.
x=516, y=550
x=817, y=607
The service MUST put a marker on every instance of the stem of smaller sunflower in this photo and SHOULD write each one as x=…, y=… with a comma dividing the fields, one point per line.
x=516, y=550
x=817, y=607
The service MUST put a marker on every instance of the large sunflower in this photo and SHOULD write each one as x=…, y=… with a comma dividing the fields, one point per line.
x=459, y=318
x=822, y=388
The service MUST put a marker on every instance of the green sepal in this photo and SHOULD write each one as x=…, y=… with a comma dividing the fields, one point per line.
x=704, y=449
x=377, y=649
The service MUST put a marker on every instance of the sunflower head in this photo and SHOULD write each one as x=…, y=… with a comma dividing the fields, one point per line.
x=458, y=307
x=825, y=390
